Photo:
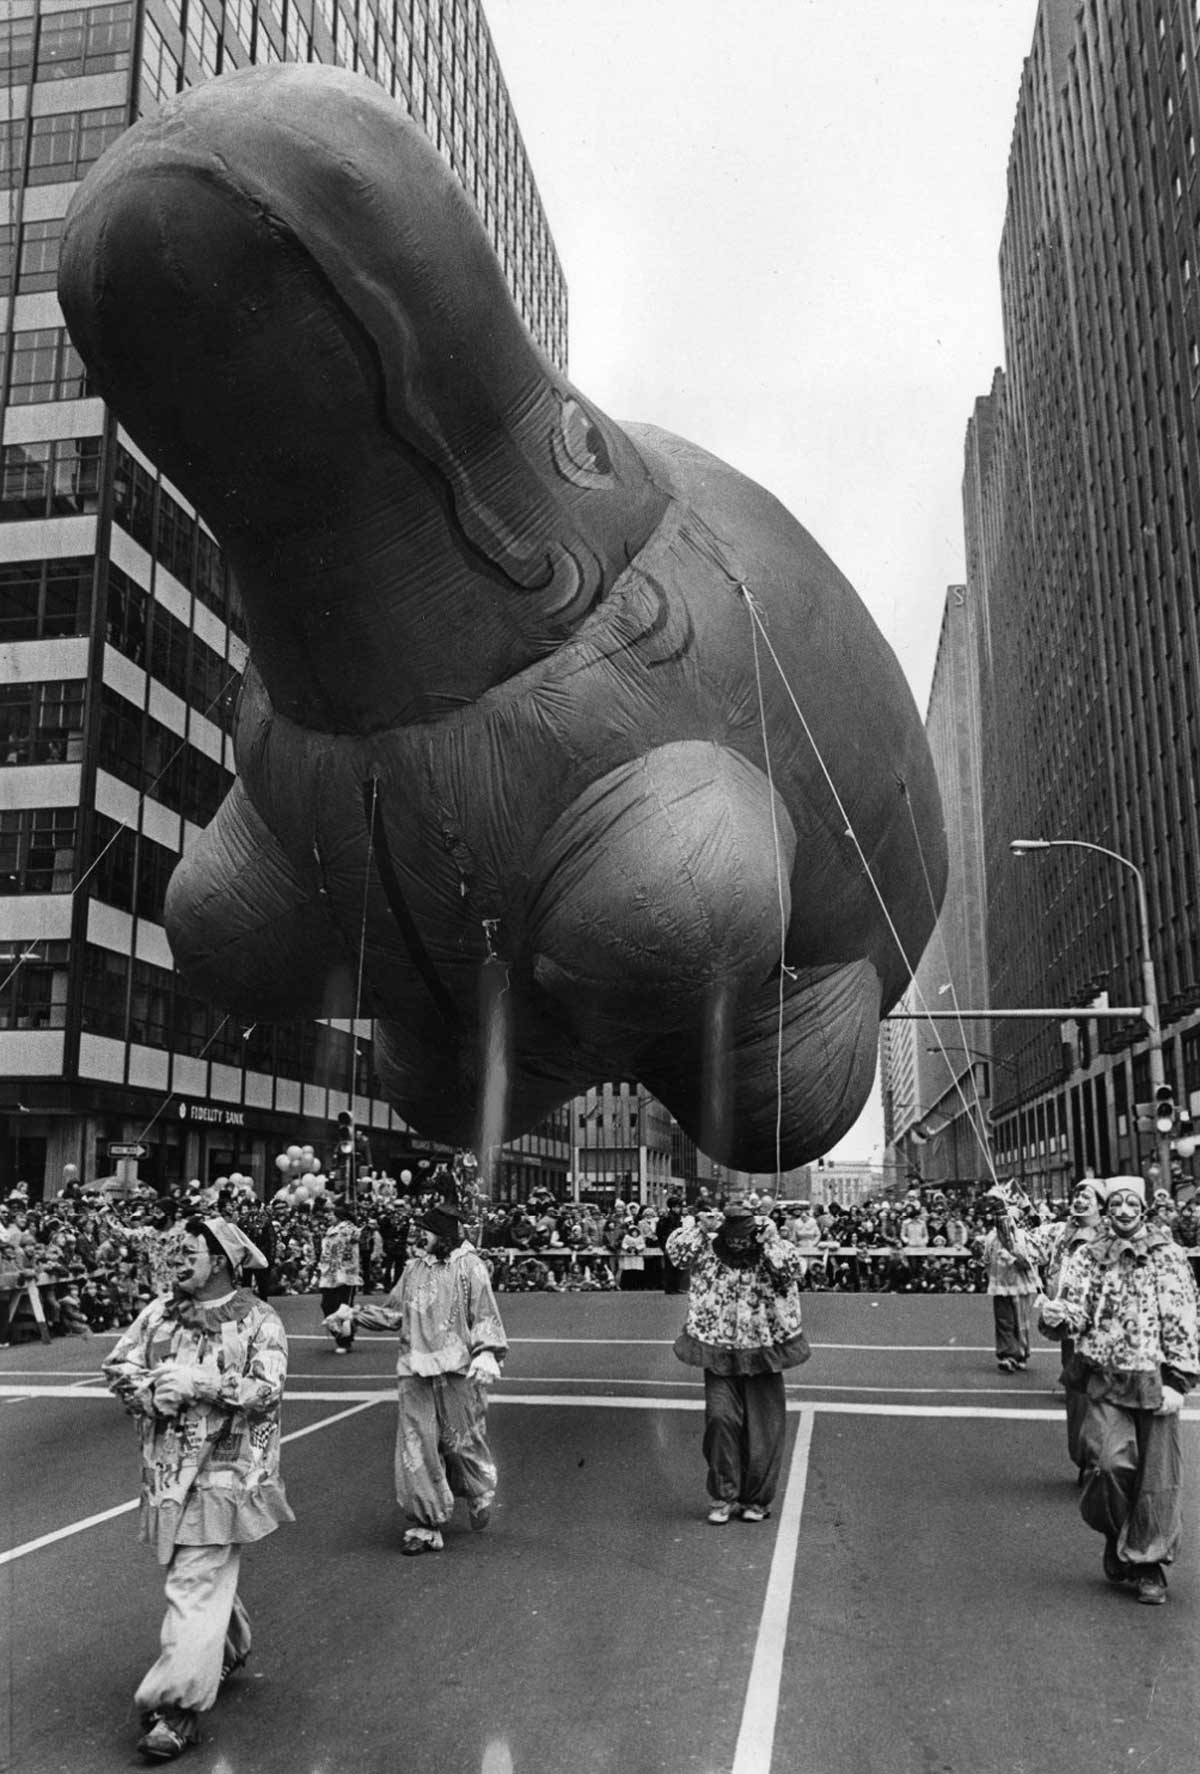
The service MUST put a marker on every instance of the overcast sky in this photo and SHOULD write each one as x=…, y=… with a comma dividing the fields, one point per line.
x=779, y=223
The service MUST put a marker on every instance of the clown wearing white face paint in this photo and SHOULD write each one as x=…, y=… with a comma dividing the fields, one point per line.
x=1082, y=1226
x=203, y=1372
x=1129, y=1301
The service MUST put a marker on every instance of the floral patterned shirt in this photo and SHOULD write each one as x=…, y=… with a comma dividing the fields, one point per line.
x=340, y=1262
x=741, y=1320
x=210, y=1475
x=1131, y=1307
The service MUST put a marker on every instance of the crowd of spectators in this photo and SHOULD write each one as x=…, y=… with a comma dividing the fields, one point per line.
x=97, y=1260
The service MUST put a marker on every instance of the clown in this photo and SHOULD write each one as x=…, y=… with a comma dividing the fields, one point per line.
x=203, y=1372
x=1129, y=1301
x=1081, y=1226
x=743, y=1328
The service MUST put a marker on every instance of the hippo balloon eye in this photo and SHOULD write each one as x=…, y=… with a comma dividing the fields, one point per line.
x=580, y=448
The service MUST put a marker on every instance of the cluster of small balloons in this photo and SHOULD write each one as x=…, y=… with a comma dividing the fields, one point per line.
x=304, y=1174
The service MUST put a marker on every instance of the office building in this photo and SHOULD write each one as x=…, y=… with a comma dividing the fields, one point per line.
x=1082, y=521
x=121, y=639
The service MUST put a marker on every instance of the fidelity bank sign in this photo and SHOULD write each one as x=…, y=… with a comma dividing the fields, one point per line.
x=211, y=1115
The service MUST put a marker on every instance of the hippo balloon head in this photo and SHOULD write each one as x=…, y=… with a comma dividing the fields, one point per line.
x=533, y=695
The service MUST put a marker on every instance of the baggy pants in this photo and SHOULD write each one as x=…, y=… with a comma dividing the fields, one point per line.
x=1074, y=1387
x=1010, y=1315
x=441, y=1447
x=1132, y=1480
x=745, y=1418
x=203, y=1623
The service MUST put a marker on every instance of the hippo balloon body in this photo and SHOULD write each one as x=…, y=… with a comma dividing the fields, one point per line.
x=531, y=694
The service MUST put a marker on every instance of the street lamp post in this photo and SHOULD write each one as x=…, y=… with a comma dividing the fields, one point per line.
x=1158, y=1075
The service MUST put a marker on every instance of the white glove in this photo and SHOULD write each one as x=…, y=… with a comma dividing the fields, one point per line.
x=1172, y=1403
x=1052, y=1312
x=175, y=1383
x=339, y=1322
x=484, y=1368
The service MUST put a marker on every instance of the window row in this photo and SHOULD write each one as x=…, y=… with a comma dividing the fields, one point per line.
x=65, y=45
x=144, y=631
x=29, y=256
x=44, y=365
x=58, y=149
x=54, y=479
x=155, y=761
x=45, y=599
x=152, y=517
x=42, y=723
x=33, y=985
x=37, y=850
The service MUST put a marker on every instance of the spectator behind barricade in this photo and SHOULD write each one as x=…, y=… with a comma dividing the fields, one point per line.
x=674, y=1278
x=631, y=1259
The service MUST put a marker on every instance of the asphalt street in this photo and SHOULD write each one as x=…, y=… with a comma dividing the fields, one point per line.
x=924, y=1599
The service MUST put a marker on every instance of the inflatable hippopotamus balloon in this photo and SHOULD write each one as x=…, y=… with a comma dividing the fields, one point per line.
x=532, y=695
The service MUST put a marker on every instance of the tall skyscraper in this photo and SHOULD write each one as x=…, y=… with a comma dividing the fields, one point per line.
x=121, y=639
x=1082, y=505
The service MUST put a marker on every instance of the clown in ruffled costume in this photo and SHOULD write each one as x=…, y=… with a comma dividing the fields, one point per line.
x=1129, y=1301
x=743, y=1328
x=451, y=1345
x=203, y=1372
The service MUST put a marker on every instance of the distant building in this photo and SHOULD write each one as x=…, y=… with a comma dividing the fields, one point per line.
x=121, y=638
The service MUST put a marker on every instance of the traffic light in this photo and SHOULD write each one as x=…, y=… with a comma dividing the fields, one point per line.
x=345, y=1134
x=1185, y=1135
x=1164, y=1109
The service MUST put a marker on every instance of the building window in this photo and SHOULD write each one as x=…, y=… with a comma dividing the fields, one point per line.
x=105, y=984
x=43, y=600
x=152, y=989
x=203, y=40
x=93, y=40
x=63, y=145
x=41, y=723
x=37, y=850
x=161, y=72
x=33, y=986
x=60, y=479
x=16, y=52
x=37, y=262
x=45, y=366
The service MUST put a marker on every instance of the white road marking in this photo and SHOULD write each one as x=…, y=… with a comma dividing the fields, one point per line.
x=95, y=1521
x=756, y=1738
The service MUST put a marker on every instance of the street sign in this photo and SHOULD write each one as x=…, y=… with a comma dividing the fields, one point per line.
x=118, y=1151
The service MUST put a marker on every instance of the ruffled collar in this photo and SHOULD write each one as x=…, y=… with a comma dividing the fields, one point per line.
x=196, y=1315
x=1112, y=1247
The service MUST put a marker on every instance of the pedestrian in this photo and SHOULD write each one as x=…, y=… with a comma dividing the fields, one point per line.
x=451, y=1345
x=1012, y=1282
x=674, y=1280
x=743, y=1328
x=1129, y=1301
x=202, y=1370
x=339, y=1276
x=1082, y=1226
